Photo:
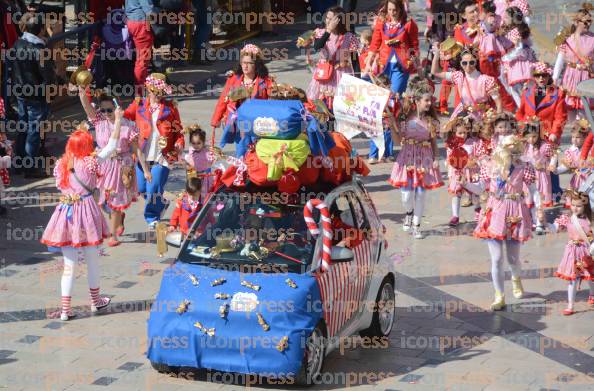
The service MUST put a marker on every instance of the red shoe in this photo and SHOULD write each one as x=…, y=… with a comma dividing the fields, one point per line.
x=568, y=312
x=454, y=221
x=120, y=230
x=591, y=300
x=113, y=243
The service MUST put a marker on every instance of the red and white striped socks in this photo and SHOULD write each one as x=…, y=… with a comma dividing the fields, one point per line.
x=97, y=302
x=66, y=309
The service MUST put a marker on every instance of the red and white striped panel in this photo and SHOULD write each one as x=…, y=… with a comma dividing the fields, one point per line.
x=342, y=289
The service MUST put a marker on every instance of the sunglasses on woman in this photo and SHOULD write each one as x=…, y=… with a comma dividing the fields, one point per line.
x=102, y=110
x=466, y=63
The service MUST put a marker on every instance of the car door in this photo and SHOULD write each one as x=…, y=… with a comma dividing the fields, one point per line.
x=334, y=283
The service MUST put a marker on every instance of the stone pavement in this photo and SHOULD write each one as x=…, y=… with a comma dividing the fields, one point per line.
x=444, y=338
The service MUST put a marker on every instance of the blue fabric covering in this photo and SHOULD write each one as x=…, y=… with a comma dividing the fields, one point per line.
x=240, y=344
x=288, y=116
x=320, y=141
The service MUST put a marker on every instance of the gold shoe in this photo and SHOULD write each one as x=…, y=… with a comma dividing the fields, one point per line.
x=499, y=302
x=517, y=288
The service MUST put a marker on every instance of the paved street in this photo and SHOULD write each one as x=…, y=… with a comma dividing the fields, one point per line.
x=445, y=338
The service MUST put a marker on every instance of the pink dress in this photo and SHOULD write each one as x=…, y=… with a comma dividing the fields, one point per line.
x=540, y=158
x=475, y=91
x=414, y=164
x=572, y=159
x=506, y=215
x=575, y=52
x=489, y=43
x=348, y=43
x=77, y=220
x=576, y=262
x=472, y=147
x=199, y=161
x=517, y=65
x=113, y=192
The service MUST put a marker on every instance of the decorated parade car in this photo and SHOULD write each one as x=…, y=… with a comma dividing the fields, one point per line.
x=286, y=257
x=258, y=288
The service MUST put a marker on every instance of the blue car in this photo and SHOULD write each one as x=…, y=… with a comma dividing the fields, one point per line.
x=248, y=292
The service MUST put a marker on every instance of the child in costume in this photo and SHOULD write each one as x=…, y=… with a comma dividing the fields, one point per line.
x=518, y=62
x=462, y=147
x=187, y=206
x=199, y=160
x=572, y=160
x=77, y=223
x=576, y=52
x=365, y=39
x=505, y=221
x=416, y=169
x=577, y=264
x=541, y=155
x=117, y=180
x=393, y=107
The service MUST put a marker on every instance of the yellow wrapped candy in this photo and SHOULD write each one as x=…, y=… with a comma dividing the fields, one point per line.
x=281, y=155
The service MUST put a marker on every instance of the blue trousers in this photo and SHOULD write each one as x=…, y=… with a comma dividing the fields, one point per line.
x=389, y=151
x=31, y=115
x=398, y=77
x=557, y=190
x=152, y=191
x=203, y=26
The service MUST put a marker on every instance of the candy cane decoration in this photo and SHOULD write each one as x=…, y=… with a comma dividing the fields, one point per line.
x=326, y=228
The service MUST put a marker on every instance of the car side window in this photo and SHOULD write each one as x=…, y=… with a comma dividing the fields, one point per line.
x=360, y=217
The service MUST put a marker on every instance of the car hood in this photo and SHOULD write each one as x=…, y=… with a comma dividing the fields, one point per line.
x=239, y=344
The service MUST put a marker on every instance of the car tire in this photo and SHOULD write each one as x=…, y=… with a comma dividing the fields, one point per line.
x=383, y=311
x=311, y=370
x=164, y=368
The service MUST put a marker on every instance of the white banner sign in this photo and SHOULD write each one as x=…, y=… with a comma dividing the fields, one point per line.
x=358, y=108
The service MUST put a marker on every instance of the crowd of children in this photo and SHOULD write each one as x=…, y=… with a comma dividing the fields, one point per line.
x=512, y=160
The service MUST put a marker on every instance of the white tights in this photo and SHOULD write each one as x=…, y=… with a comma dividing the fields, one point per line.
x=512, y=249
x=572, y=290
x=456, y=204
x=91, y=256
x=413, y=201
x=535, y=198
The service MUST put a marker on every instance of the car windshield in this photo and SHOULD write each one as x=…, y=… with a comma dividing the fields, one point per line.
x=262, y=230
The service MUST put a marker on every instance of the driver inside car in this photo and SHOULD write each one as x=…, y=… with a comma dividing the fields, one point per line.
x=344, y=232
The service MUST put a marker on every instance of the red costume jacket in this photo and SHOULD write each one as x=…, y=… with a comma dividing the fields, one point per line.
x=262, y=87
x=168, y=124
x=184, y=214
x=587, y=147
x=406, y=43
x=462, y=36
x=551, y=111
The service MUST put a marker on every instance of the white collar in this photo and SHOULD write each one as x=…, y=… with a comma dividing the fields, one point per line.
x=32, y=38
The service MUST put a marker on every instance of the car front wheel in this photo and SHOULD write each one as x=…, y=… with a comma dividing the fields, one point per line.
x=313, y=358
x=383, y=312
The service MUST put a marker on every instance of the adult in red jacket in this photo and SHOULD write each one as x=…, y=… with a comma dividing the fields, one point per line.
x=252, y=79
x=547, y=102
x=396, y=41
x=161, y=140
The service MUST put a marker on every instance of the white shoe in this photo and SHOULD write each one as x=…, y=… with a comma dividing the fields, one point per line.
x=371, y=161
x=417, y=233
x=407, y=222
x=152, y=225
x=539, y=230
x=103, y=302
